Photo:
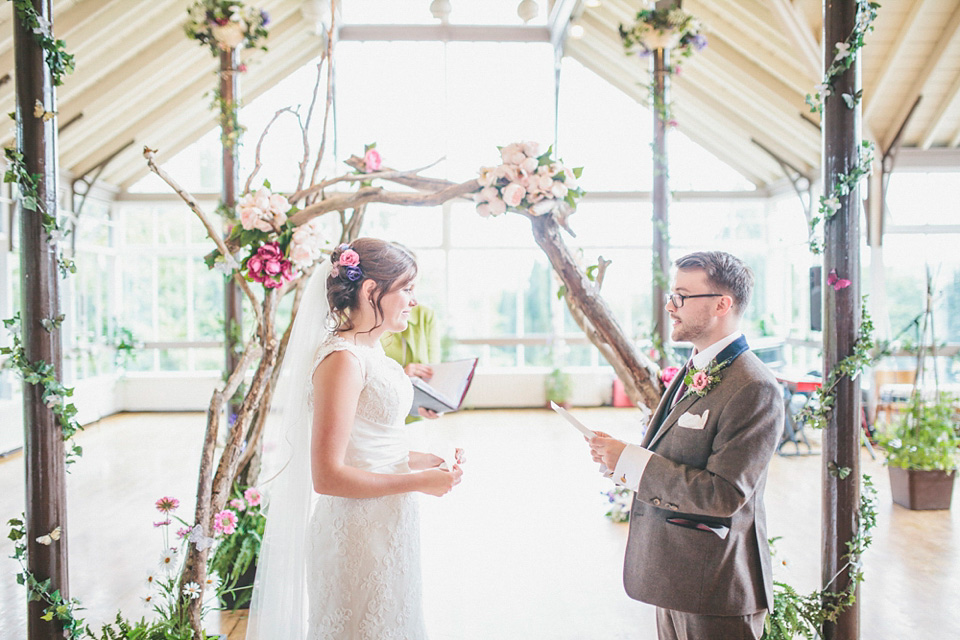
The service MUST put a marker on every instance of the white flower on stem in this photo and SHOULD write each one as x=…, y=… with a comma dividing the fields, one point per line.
x=148, y=600
x=843, y=50
x=831, y=204
x=823, y=89
x=191, y=589
x=306, y=243
x=43, y=26
x=151, y=580
x=168, y=560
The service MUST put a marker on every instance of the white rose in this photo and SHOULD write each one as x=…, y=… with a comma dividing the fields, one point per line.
x=544, y=206
x=489, y=193
x=279, y=204
x=559, y=190
x=513, y=194
x=301, y=256
x=532, y=149
x=546, y=183
x=529, y=165
x=570, y=180
x=249, y=216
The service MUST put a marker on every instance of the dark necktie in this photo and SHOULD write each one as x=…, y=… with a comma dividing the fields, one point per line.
x=682, y=389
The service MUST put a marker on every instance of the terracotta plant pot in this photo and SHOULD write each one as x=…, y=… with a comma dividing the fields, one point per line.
x=920, y=490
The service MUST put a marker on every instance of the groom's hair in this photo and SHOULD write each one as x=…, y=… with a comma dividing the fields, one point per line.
x=726, y=272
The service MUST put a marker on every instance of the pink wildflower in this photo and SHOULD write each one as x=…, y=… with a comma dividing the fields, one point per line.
x=225, y=522
x=238, y=504
x=167, y=504
x=162, y=523
x=183, y=532
x=252, y=496
x=371, y=160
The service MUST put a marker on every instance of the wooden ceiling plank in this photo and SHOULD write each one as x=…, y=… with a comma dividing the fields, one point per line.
x=804, y=42
x=950, y=31
x=176, y=138
x=875, y=94
x=937, y=120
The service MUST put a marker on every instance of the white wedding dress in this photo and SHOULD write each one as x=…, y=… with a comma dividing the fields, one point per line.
x=363, y=555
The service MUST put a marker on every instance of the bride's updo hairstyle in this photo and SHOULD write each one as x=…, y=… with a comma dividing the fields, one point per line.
x=388, y=264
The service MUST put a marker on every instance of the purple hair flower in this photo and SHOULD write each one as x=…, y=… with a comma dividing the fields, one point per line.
x=264, y=17
x=699, y=41
x=353, y=273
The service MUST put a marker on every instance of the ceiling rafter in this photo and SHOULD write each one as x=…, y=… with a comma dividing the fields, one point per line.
x=874, y=94
x=950, y=31
x=800, y=35
x=939, y=116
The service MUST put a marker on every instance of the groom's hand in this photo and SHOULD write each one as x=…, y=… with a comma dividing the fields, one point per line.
x=606, y=450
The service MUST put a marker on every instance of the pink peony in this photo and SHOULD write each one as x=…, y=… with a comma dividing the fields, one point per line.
x=252, y=496
x=513, y=194
x=497, y=207
x=349, y=258
x=700, y=381
x=167, y=504
x=269, y=267
x=668, y=374
x=225, y=522
x=371, y=160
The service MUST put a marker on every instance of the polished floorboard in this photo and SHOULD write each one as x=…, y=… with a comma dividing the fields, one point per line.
x=520, y=549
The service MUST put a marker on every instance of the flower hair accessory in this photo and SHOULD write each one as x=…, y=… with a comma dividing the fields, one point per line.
x=350, y=261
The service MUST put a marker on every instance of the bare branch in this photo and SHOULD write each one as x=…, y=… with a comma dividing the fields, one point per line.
x=366, y=195
x=363, y=177
x=150, y=154
x=601, y=270
x=328, y=55
x=305, y=129
x=256, y=168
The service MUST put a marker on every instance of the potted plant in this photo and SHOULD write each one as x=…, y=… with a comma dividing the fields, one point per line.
x=558, y=387
x=923, y=454
x=241, y=525
x=922, y=449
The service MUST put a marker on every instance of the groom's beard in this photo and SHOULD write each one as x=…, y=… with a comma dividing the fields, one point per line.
x=691, y=328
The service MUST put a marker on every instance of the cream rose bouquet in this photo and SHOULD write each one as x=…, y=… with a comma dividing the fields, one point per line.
x=527, y=181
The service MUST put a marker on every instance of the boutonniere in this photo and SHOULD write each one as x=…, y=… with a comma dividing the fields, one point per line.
x=700, y=381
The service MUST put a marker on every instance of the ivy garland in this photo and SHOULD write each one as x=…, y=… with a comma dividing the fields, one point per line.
x=817, y=413
x=844, y=54
x=57, y=606
x=796, y=615
x=844, y=184
x=55, y=53
x=27, y=182
x=231, y=129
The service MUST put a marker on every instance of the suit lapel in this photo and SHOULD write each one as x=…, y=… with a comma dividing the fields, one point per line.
x=664, y=407
x=670, y=417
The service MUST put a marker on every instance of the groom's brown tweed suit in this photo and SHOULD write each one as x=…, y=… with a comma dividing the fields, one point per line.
x=715, y=476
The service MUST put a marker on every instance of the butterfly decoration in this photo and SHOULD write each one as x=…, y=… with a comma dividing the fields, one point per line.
x=40, y=112
x=199, y=539
x=49, y=538
x=837, y=282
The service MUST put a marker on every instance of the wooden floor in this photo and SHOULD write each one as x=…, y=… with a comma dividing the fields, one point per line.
x=520, y=550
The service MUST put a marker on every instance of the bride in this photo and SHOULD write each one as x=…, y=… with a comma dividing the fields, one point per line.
x=341, y=551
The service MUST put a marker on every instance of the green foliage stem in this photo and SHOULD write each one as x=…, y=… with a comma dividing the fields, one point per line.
x=55, y=53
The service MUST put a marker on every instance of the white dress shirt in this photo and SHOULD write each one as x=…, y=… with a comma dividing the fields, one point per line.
x=633, y=460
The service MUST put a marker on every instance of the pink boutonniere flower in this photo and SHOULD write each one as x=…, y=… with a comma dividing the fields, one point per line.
x=700, y=381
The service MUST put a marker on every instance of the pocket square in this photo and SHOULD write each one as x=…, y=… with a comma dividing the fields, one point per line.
x=693, y=421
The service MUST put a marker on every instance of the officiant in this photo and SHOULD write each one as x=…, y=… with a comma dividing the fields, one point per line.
x=416, y=346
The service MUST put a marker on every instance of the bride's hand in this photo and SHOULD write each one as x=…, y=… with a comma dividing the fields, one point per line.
x=437, y=482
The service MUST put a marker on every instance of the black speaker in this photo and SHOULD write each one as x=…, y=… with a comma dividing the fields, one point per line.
x=816, y=299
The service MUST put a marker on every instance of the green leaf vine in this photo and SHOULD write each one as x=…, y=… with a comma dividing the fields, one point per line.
x=843, y=184
x=55, y=53
x=845, y=53
x=58, y=607
x=797, y=615
x=817, y=412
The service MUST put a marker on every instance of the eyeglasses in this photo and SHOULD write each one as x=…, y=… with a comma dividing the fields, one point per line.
x=677, y=299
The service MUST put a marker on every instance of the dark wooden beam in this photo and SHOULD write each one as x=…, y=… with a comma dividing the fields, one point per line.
x=841, y=437
x=46, y=499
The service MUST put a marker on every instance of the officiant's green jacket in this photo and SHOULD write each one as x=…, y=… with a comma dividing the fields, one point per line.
x=419, y=342
x=708, y=477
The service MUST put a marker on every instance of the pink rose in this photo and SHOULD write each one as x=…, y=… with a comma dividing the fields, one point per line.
x=497, y=207
x=487, y=176
x=668, y=374
x=699, y=381
x=512, y=154
x=483, y=209
x=371, y=160
x=349, y=258
x=529, y=165
x=513, y=194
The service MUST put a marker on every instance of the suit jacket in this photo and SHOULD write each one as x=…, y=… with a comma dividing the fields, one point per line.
x=708, y=478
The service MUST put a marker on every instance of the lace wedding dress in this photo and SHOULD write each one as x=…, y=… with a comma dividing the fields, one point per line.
x=363, y=555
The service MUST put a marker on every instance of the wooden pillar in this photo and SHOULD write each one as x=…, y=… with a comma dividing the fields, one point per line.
x=841, y=437
x=661, y=194
x=233, y=297
x=46, y=500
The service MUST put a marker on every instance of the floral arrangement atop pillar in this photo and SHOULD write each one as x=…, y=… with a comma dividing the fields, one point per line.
x=226, y=24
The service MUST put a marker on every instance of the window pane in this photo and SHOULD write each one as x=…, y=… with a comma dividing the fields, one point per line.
x=171, y=298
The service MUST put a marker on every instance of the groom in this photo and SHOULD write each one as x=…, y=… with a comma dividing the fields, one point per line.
x=698, y=536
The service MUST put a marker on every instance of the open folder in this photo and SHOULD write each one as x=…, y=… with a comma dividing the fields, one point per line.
x=446, y=389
